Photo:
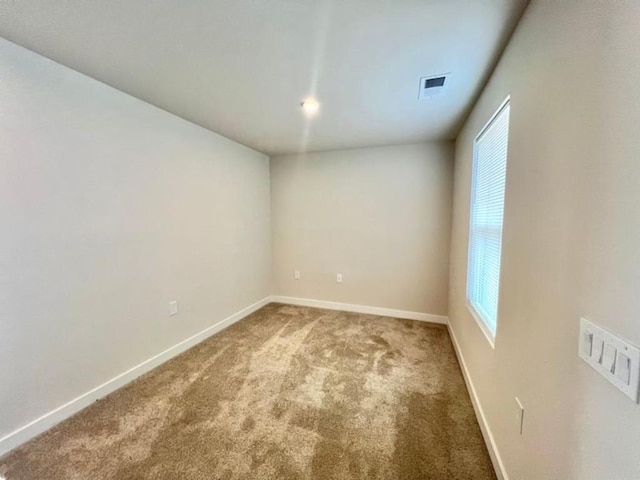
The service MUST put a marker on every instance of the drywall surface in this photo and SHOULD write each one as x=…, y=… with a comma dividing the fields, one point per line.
x=570, y=241
x=110, y=209
x=241, y=67
x=378, y=216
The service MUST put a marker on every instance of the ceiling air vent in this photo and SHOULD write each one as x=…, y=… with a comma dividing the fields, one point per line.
x=433, y=86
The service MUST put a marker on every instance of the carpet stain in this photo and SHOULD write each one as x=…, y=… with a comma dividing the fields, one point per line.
x=287, y=393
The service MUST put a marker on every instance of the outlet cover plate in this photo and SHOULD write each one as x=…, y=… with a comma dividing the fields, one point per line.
x=519, y=416
x=173, y=307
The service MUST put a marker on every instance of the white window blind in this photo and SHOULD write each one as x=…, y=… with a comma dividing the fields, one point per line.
x=487, y=208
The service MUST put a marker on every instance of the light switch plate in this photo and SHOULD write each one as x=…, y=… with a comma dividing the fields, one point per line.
x=606, y=354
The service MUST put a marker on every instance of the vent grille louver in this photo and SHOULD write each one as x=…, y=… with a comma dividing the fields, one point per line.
x=434, y=82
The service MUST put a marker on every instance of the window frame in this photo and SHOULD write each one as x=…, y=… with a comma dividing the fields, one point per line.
x=479, y=318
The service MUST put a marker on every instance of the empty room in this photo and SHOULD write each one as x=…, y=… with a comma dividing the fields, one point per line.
x=319, y=239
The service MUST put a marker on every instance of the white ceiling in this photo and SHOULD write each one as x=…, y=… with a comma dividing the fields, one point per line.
x=241, y=67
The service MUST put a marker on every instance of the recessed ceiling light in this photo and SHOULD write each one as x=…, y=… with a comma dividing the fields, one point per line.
x=310, y=105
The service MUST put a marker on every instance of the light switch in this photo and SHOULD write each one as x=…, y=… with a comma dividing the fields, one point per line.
x=623, y=368
x=598, y=349
x=609, y=357
x=587, y=343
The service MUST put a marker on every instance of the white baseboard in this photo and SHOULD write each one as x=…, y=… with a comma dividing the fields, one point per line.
x=348, y=307
x=498, y=466
x=39, y=425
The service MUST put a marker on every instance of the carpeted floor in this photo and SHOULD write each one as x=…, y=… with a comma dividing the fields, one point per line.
x=287, y=393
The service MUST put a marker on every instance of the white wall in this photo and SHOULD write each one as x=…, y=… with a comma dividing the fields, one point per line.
x=111, y=208
x=379, y=216
x=570, y=245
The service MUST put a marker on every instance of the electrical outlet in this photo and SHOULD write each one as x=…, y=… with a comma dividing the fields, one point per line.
x=519, y=416
x=296, y=274
x=339, y=278
x=173, y=307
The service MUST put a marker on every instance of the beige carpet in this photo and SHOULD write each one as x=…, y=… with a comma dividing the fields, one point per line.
x=287, y=393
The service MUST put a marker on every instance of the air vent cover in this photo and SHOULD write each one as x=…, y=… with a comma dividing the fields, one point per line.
x=433, y=86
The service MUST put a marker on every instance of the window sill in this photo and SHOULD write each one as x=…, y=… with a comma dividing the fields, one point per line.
x=483, y=326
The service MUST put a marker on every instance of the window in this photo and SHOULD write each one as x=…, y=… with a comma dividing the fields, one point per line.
x=485, y=232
